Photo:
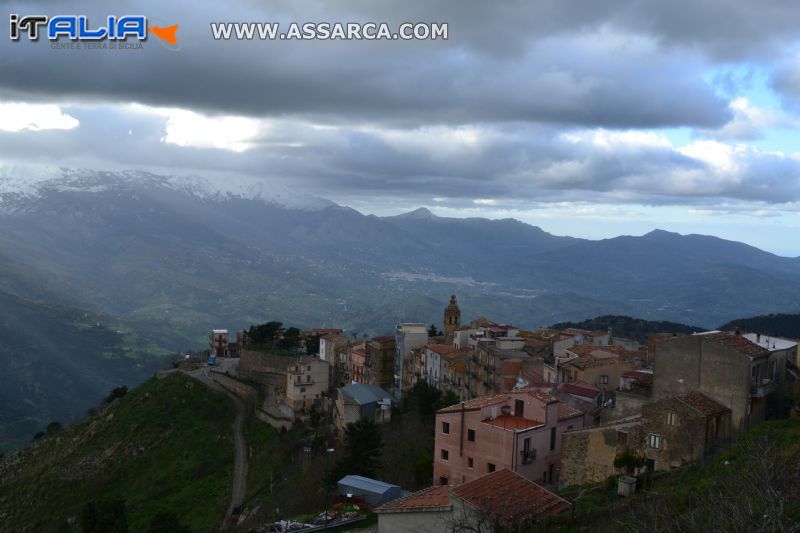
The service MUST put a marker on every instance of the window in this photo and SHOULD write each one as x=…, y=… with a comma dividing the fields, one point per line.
x=302, y=389
x=470, y=462
x=442, y=480
x=489, y=467
x=604, y=380
x=519, y=407
x=670, y=418
x=445, y=455
x=655, y=441
x=526, y=445
x=308, y=379
x=622, y=438
x=471, y=435
x=552, y=439
x=446, y=428
x=308, y=368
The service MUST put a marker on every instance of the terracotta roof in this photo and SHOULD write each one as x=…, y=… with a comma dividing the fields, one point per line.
x=645, y=379
x=565, y=412
x=592, y=356
x=703, y=404
x=511, y=422
x=587, y=391
x=477, y=403
x=739, y=343
x=430, y=499
x=441, y=349
x=542, y=396
x=575, y=331
x=509, y=497
x=383, y=338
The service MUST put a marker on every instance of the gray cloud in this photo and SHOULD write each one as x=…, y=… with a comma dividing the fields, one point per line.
x=512, y=165
x=614, y=64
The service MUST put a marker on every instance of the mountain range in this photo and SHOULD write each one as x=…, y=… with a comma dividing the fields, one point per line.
x=150, y=263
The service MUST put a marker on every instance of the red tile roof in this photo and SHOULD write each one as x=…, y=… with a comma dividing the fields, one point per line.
x=441, y=348
x=383, y=338
x=565, y=412
x=511, y=422
x=586, y=391
x=477, y=403
x=739, y=343
x=703, y=404
x=510, y=498
x=430, y=499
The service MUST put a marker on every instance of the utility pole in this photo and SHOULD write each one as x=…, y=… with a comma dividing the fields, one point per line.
x=328, y=452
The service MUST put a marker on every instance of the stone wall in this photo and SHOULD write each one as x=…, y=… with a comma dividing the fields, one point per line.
x=247, y=393
x=587, y=455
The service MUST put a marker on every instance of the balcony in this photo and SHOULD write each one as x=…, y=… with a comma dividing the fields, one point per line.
x=765, y=388
x=528, y=456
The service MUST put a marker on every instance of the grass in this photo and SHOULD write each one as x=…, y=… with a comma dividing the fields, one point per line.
x=167, y=445
x=599, y=507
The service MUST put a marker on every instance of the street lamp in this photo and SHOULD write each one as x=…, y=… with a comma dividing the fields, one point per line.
x=328, y=453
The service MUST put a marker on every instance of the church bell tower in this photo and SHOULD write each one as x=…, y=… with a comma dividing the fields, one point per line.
x=452, y=319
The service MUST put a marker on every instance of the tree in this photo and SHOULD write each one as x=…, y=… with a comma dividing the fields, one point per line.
x=53, y=427
x=104, y=516
x=433, y=332
x=312, y=345
x=629, y=461
x=167, y=522
x=290, y=339
x=117, y=392
x=363, y=445
x=265, y=334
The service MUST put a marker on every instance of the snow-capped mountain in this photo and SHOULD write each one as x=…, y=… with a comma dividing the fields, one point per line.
x=21, y=183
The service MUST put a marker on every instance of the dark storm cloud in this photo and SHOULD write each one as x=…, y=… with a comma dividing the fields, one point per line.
x=612, y=64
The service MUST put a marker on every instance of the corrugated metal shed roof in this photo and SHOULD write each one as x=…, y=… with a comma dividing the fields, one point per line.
x=366, y=484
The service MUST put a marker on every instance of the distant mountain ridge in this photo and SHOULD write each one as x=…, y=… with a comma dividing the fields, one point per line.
x=774, y=325
x=168, y=258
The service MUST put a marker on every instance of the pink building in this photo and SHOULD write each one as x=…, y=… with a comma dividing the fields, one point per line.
x=519, y=430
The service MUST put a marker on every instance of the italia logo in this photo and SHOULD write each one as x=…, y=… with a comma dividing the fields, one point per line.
x=78, y=28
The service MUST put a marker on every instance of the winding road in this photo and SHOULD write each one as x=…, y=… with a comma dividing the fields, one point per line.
x=239, y=488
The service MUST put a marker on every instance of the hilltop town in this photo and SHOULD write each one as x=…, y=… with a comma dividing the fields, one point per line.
x=526, y=414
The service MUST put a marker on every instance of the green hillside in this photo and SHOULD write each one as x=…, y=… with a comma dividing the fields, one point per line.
x=633, y=328
x=776, y=325
x=58, y=361
x=753, y=486
x=166, y=446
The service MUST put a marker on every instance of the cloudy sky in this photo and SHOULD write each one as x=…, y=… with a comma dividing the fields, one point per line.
x=586, y=118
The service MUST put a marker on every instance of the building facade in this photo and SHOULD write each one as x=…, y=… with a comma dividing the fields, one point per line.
x=520, y=431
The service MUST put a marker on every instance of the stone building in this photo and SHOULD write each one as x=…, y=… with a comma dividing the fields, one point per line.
x=683, y=429
x=306, y=382
x=668, y=434
x=452, y=320
x=725, y=366
x=380, y=360
x=520, y=430
x=587, y=455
